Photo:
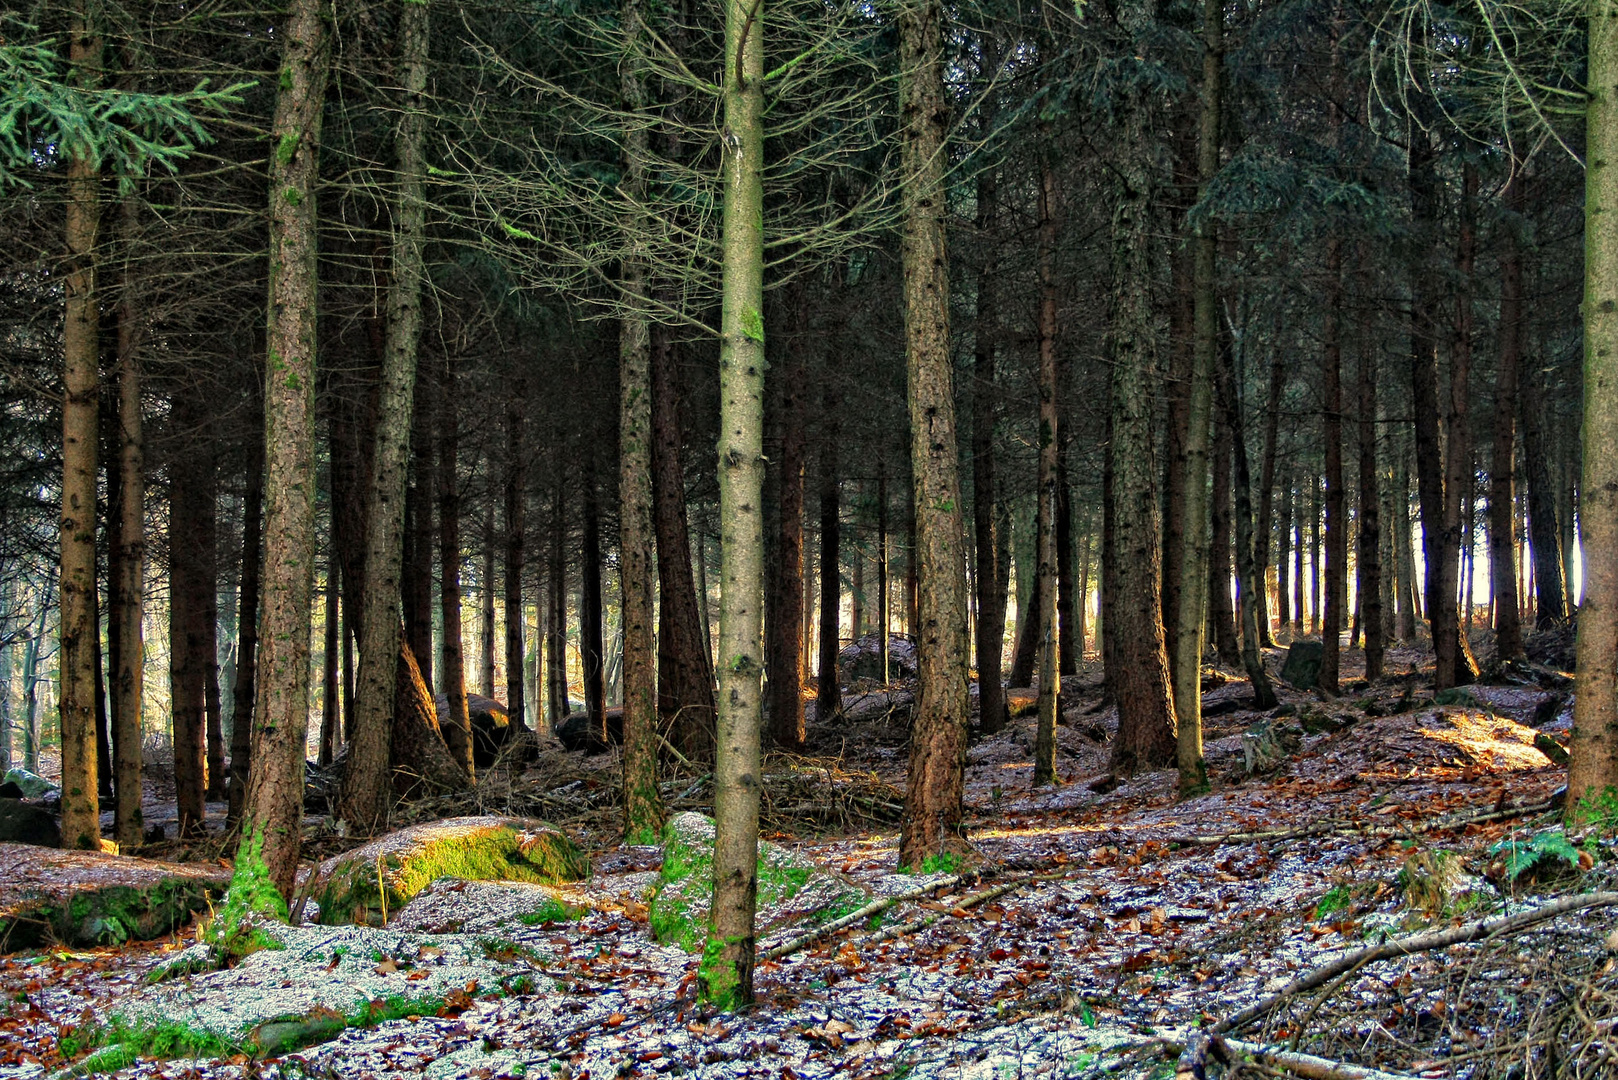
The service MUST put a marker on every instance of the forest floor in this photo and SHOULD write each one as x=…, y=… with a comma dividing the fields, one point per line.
x=1134, y=921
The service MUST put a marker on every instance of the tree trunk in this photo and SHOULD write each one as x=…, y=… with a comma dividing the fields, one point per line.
x=643, y=804
x=1050, y=681
x=1439, y=545
x=1593, y=772
x=1315, y=563
x=989, y=533
x=727, y=966
x=516, y=705
x=1265, y=528
x=1544, y=539
x=1336, y=575
x=457, y=723
x=1503, y=454
x=685, y=677
x=1455, y=664
x=271, y=823
x=556, y=617
x=186, y=607
x=370, y=751
x=1146, y=736
x=884, y=615
x=331, y=699
x=80, y=636
x=486, y=604
x=418, y=553
x=1025, y=650
x=591, y=651
x=931, y=823
x=1370, y=586
x=1221, y=615
x=241, y=734
x=1283, y=555
x=1248, y=582
x=1070, y=624
x=1193, y=542
x=127, y=614
x=785, y=612
x=828, y=693
x=422, y=763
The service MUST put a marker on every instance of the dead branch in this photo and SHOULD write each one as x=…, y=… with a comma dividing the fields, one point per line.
x=1193, y=1062
x=980, y=897
x=1339, y=828
x=1307, y=1065
x=875, y=907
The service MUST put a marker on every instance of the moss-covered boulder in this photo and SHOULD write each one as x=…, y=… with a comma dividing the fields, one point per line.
x=388, y=872
x=791, y=890
x=91, y=898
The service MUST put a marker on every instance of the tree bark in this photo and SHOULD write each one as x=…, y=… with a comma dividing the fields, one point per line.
x=1459, y=476
x=272, y=820
x=1050, y=681
x=486, y=603
x=1221, y=614
x=643, y=804
x=685, y=677
x=186, y=487
x=1544, y=538
x=556, y=617
x=989, y=533
x=422, y=762
x=1593, y=772
x=362, y=800
x=591, y=651
x=1192, y=598
x=80, y=636
x=1069, y=622
x=783, y=634
x=331, y=676
x=418, y=553
x=1371, y=532
x=1503, y=453
x=931, y=823
x=241, y=734
x=1265, y=527
x=457, y=724
x=1249, y=584
x=727, y=965
x=127, y=613
x=828, y=692
x=1336, y=568
x=516, y=705
x=1141, y=681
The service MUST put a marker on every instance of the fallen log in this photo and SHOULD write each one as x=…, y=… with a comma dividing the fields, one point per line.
x=1307, y=1065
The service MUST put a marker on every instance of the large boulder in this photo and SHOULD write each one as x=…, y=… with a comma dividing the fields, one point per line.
x=1302, y=667
x=576, y=732
x=29, y=785
x=492, y=728
x=91, y=898
x=791, y=889
x=24, y=823
x=390, y=871
x=863, y=659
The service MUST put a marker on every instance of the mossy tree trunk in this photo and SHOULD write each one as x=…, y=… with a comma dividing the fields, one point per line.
x=1593, y=772
x=727, y=963
x=364, y=794
x=80, y=637
x=273, y=812
x=931, y=823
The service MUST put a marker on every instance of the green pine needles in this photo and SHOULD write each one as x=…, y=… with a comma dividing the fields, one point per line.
x=46, y=119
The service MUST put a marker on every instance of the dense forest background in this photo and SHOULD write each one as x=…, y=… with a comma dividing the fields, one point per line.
x=1118, y=332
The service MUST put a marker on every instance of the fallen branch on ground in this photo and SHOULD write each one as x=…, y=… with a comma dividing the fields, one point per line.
x=1307, y=1065
x=875, y=907
x=1193, y=1062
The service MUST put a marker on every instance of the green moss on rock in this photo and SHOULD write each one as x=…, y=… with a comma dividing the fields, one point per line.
x=683, y=895
x=352, y=887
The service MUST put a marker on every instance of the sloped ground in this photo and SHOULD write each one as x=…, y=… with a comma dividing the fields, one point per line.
x=1143, y=919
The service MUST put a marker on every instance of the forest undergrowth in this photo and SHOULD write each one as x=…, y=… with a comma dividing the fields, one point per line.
x=1103, y=926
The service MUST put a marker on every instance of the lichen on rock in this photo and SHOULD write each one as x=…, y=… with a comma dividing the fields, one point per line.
x=390, y=871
